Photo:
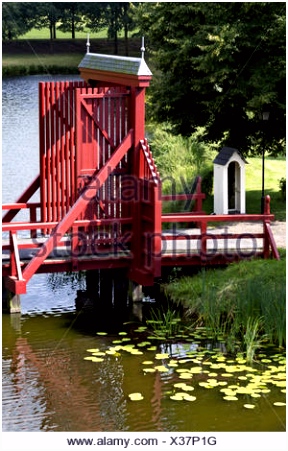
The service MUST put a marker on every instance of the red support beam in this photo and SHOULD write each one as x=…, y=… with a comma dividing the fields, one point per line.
x=15, y=258
x=270, y=240
x=23, y=199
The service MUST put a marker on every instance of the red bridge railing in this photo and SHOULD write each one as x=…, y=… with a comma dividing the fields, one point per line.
x=204, y=235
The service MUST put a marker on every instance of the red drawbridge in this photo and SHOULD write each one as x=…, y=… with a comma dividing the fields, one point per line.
x=100, y=192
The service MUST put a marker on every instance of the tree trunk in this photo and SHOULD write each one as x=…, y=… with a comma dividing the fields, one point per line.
x=126, y=40
x=54, y=30
x=115, y=43
x=73, y=26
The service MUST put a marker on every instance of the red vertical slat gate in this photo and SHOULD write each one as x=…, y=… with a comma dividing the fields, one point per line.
x=80, y=127
x=101, y=125
x=65, y=168
x=57, y=148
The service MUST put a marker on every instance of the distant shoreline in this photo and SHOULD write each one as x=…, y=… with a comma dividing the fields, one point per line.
x=60, y=56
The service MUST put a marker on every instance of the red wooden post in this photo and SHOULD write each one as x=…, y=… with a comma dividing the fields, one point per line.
x=265, y=231
x=42, y=151
x=13, y=269
x=137, y=122
x=33, y=218
x=203, y=250
x=58, y=181
x=267, y=205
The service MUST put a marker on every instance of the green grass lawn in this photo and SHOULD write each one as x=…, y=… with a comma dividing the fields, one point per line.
x=38, y=59
x=275, y=169
x=45, y=34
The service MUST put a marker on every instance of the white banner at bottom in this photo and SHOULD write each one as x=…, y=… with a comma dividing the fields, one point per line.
x=160, y=441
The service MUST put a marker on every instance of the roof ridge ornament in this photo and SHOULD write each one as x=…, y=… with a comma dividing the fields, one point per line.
x=88, y=44
x=142, y=48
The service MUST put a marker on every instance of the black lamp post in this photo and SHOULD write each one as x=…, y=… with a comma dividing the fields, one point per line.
x=265, y=117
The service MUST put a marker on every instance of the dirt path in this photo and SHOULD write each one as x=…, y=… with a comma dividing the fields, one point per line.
x=278, y=228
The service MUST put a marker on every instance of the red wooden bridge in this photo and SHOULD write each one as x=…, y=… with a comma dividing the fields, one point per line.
x=100, y=192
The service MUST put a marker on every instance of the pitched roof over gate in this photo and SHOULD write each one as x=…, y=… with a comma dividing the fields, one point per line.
x=118, y=69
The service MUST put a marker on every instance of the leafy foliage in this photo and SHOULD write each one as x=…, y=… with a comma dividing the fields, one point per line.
x=219, y=67
x=17, y=19
x=180, y=159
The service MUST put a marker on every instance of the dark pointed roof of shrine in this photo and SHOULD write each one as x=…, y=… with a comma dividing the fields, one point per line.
x=225, y=154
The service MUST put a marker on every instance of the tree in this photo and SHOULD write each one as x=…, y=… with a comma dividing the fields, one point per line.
x=47, y=16
x=218, y=65
x=71, y=18
x=111, y=15
x=17, y=19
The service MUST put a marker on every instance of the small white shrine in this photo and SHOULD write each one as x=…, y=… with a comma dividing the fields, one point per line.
x=229, y=182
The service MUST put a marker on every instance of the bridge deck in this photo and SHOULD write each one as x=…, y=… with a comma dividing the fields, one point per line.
x=178, y=247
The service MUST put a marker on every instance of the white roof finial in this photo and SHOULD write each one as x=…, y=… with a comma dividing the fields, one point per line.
x=88, y=44
x=142, y=48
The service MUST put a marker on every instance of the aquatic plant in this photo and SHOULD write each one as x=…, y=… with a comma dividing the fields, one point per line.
x=224, y=300
x=252, y=338
x=164, y=322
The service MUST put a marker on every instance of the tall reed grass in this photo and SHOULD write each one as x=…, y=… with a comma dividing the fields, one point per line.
x=245, y=302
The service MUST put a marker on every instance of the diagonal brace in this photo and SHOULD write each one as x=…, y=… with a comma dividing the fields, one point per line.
x=98, y=179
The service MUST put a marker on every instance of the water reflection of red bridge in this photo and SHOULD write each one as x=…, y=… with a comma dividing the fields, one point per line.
x=100, y=191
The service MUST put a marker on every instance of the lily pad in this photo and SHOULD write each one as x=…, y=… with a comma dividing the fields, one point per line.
x=279, y=404
x=177, y=397
x=184, y=386
x=136, y=396
x=249, y=406
x=149, y=370
x=143, y=344
x=230, y=398
x=113, y=352
x=196, y=370
x=135, y=352
x=161, y=369
x=189, y=397
x=152, y=348
x=94, y=359
x=206, y=385
x=185, y=376
x=162, y=356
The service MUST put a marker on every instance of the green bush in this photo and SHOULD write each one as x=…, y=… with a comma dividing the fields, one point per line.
x=179, y=159
x=282, y=185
